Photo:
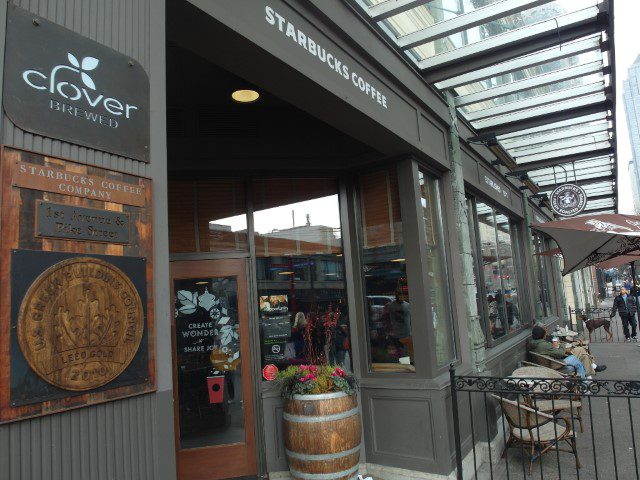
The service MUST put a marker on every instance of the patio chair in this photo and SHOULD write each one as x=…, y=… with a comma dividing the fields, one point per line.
x=552, y=363
x=553, y=404
x=535, y=432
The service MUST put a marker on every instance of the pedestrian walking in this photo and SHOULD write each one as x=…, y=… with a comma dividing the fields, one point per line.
x=626, y=306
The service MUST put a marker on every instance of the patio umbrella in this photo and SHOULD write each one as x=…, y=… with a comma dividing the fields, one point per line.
x=591, y=239
x=621, y=260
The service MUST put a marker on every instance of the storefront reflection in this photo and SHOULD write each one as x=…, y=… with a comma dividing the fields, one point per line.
x=300, y=273
x=385, y=277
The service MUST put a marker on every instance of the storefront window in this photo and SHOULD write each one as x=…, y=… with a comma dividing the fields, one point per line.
x=499, y=272
x=302, y=298
x=540, y=271
x=388, y=309
x=436, y=269
x=207, y=216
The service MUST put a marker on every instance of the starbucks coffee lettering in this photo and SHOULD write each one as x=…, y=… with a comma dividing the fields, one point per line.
x=55, y=180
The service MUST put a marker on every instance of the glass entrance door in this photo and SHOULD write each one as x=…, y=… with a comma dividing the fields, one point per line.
x=215, y=437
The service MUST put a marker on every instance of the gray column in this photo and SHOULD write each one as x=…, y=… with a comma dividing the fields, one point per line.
x=461, y=216
x=529, y=252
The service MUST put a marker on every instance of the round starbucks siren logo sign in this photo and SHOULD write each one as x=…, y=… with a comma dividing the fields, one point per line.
x=568, y=200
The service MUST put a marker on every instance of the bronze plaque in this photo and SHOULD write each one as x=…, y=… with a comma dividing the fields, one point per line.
x=80, y=323
x=58, y=180
x=56, y=220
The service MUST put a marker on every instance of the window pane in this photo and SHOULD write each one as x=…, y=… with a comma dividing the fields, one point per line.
x=508, y=273
x=182, y=225
x=208, y=362
x=496, y=321
x=436, y=269
x=300, y=272
x=222, y=219
x=542, y=279
x=207, y=216
x=385, y=278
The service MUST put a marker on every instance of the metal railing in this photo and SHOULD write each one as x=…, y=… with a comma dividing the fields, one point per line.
x=553, y=428
x=596, y=326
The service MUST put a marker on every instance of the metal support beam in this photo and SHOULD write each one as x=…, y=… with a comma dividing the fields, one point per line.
x=522, y=155
x=529, y=83
x=581, y=183
x=567, y=105
x=600, y=197
x=537, y=101
x=565, y=152
x=599, y=210
x=468, y=20
x=554, y=126
x=468, y=61
x=389, y=8
x=553, y=117
x=578, y=131
x=549, y=55
x=561, y=160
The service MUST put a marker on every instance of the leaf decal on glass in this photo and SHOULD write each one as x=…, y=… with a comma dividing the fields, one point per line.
x=73, y=60
x=189, y=301
x=228, y=334
x=89, y=63
x=86, y=79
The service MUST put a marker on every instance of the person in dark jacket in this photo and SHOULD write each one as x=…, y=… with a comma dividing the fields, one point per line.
x=626, y=306
x=576, y=357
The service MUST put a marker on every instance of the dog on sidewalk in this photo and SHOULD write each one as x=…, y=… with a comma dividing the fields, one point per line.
x=593, y=324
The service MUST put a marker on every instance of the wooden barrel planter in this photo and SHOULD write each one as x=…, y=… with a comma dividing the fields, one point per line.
x=322, y=435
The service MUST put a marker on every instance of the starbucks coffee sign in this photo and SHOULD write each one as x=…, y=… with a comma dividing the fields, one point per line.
x=568, y=200
x=62, y=85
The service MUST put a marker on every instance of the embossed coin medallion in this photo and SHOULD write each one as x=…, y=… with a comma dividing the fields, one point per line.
x=80, y=323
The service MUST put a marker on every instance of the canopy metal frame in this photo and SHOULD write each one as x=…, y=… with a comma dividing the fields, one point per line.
x=537, y=92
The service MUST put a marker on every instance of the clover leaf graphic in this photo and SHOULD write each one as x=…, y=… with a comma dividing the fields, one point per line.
x=87, y=64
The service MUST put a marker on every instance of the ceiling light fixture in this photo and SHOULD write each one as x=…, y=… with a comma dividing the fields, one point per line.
x=398, y=260
x=245, y=96
x=286, y=273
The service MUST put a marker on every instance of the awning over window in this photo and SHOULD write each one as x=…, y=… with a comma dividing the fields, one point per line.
x=534, y=78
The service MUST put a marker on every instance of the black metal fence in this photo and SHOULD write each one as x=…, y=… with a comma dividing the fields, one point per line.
x=547, y=428
x=595, y=325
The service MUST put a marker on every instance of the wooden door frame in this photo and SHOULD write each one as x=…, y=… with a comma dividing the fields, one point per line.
x=191, y=463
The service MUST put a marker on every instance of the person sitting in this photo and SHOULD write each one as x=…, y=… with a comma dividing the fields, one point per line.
x=576, y=357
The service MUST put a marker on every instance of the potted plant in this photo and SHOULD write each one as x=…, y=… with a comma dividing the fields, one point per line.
x=322, y=426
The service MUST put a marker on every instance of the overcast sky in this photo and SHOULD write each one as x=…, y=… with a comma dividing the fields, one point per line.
x=627, y=33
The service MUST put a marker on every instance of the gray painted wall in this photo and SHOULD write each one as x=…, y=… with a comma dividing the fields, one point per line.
x=131, y=438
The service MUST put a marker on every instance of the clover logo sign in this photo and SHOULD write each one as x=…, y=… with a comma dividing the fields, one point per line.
x=87, y=64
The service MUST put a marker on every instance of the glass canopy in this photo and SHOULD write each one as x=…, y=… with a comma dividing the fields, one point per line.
x=535, y=75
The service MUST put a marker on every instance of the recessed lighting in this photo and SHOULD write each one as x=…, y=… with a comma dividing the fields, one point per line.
x=286, y=273
x=245, y=96
x=398, y=260
x=331, y=274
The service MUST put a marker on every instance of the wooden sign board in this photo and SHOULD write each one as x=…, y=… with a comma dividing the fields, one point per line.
x=51, y=178
x=94, y=342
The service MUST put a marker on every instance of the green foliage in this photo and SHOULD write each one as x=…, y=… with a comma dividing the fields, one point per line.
x=315, y=379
